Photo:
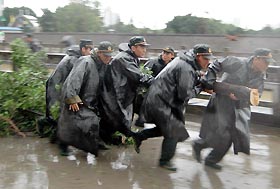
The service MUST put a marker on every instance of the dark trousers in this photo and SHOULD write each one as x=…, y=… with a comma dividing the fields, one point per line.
x=168, y=147
x=106, y=131
x=149, y=133
x=217, y=154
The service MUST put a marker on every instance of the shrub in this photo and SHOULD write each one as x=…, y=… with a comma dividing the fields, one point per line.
x=22, y=91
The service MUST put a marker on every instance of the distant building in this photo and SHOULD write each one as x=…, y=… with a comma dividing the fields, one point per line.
x=27, y=22
x=1, y=7
x=110, y=18
x=76, y=1
x=2, y=18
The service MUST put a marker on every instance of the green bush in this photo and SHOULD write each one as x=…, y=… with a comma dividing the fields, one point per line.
x=23, y=89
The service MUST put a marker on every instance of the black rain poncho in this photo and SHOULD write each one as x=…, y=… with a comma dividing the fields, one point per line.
x=155, y=65
x=81, y=129
x=121, y=80
x=55, y=81
x=226, y=120
x=166, y=98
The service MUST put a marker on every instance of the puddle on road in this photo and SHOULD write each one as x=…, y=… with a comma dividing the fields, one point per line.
x=35, y=163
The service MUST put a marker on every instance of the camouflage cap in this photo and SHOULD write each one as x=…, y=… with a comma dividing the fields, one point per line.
x=203, y=50
x=106, y=48
x=138, y=40
x=86, y=43
x=264, y=53
x=169, y=49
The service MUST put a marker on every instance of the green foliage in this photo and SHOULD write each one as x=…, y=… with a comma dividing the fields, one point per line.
x=120, y=27
x=47, y=21
x=77, y=17
x=196, y=25
x=22, y=89
x=4, y=129
x=145, y=70
x=55, y=109
x=85, y=17
x=125, y=140
x=141, y=90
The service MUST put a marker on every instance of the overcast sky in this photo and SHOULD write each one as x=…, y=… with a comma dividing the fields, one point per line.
x=248, y=14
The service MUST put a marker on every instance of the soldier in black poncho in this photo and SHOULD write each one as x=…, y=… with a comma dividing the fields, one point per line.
x=62, y=70
x=78, y=123
x=166, y=99
x=32, y=43
x=58, y=76
x=155, y=65
x=227, y=116
x=119, y=89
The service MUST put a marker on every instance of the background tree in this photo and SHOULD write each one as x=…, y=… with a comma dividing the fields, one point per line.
x=197, y=25
x=120, y=27
x=47, y=21
x=78, y=18
x=267, y=30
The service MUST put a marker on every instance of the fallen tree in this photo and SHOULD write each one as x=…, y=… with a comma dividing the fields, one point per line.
x=22, y=89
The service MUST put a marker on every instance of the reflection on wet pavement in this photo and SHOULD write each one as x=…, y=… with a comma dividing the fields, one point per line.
x=32, y=162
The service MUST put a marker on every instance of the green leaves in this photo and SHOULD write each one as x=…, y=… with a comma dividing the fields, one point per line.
x=77, y=17
x=55, y=109
x=198, y=25
x=24, y=88
x=124, y=140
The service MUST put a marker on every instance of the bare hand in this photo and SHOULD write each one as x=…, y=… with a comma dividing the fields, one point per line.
x=254, y=97
x=74, y=107
x=209, y=91
x=232, y=96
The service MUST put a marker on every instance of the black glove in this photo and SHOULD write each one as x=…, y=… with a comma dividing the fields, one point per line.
x=146, y=80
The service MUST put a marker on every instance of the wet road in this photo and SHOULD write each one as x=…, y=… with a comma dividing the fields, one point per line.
x=34, y=163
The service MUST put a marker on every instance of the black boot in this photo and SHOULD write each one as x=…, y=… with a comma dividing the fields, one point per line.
x=196, y=152
x=144, y=135
x=64, y=151
x=213, y=165
x=197, y=146
x=169, y=166
x=102, y=145
x=139, y=123
x=167, y=152
x=137, y=141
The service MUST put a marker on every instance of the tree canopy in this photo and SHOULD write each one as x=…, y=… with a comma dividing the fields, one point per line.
x=196, y=25
x=48, y=21
x=78, y=18
x=86, y=17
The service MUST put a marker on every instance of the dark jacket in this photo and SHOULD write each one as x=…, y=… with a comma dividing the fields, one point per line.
x=81, y=128
x=155, y=65
x=226, y=119
x=122, y=78
x=34, y=45
x=171, y=89
x=58, y=76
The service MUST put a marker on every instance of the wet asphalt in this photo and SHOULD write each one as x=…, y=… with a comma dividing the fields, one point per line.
x=34, y=163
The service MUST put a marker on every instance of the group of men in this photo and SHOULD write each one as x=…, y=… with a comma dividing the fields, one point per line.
x=96, y=93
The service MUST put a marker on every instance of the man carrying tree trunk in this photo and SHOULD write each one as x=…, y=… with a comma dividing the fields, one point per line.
x=227, y=116
x=165, y=101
